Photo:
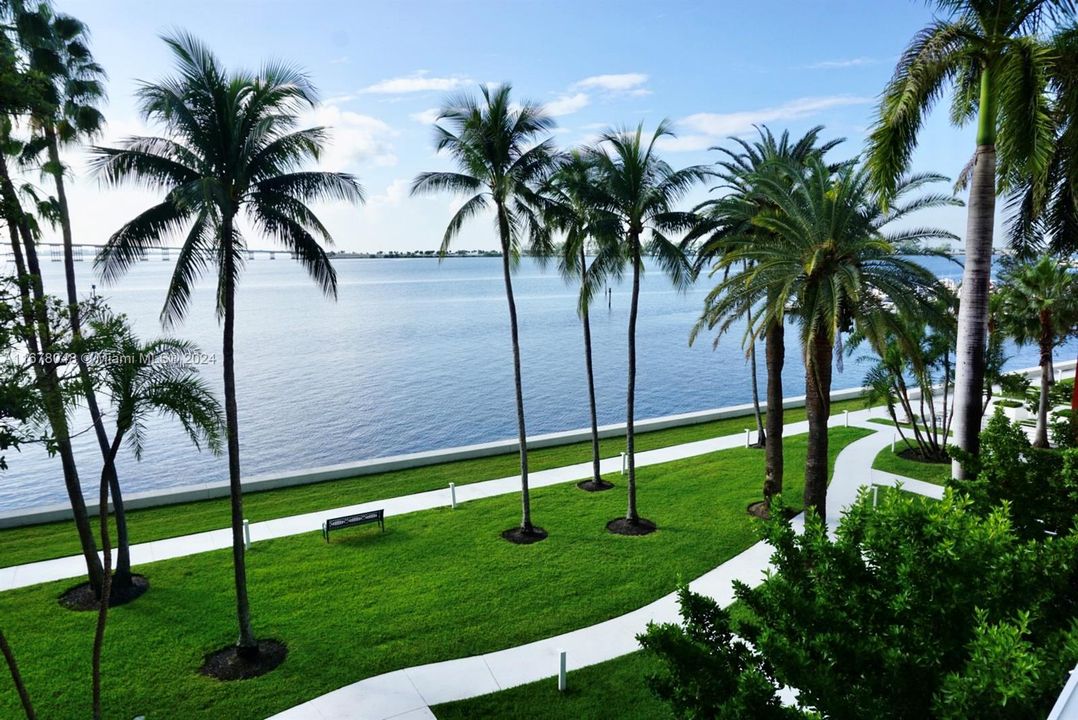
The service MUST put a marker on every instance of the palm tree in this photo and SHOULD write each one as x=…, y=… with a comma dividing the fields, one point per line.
x=565, y=205
x=502, y=154
x=639, y=191
x=231, y=152
x=16, y=678
x=732, y=215
x=835, y=262
x=145, y=379
x=989, y=53
x=1041, y=306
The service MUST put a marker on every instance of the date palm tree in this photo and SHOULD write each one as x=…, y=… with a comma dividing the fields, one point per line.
x=732, y=215
x=640, y=191
x=1040, y=305
x=990, y=54
x=231, y=152
x=503, y=153
x=834, y=263
x=566, y=207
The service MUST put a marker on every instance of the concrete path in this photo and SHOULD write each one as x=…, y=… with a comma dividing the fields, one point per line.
x=408, y=694
x=74, y=566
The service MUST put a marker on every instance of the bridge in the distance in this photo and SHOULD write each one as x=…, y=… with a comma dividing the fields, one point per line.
x=83, y=252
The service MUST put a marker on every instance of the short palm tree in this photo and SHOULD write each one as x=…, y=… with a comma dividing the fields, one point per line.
x=835, y=265
x=503, y=153
x=990, y=54
x=231, y=152
x=565, y=205
x=639, y=191
x=1040, y=305
x=731, y=216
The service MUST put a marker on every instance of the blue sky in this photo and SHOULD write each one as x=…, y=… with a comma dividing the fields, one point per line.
x=712, y=68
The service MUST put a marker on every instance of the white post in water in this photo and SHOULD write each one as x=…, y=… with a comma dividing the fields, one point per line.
x=624, y=463
x=562, y=680
x=453, y=495
x=747, y=431
x=246, y=534
x=847, y=418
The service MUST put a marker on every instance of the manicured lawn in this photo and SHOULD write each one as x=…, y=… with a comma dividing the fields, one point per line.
x=937, y=473
x=614, y=689
x=43, y=542
x=437, y=584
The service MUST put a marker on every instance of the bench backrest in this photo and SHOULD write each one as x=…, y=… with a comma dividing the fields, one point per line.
x=357, y=519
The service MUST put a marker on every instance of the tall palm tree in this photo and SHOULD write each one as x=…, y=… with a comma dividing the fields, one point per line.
x=503, y=153
x=731, y=216
x=1041, y=306
x=989, y=53
x=231, y=152
x=835, y=262
x=144, y=379
x=640, y=191
x=565, y=204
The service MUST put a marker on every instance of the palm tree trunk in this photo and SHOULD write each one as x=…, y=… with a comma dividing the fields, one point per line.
x=1047, y=341
x=108, y=475
x=76, y=329
x=525, y=496
x=247, y=645
x=630, y=399
x=122, y=576
x=774, y=358
x=597, y=478
x=973, y=305
x=761, y=435
x=16, y=678
x=45, y=372
x=818, y=406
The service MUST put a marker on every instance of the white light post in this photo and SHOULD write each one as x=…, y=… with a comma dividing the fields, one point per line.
x=562, y=680
x=453, y=495
x=246, y=534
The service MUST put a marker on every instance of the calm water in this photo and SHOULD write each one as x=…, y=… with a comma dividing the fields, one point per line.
x=413, y=356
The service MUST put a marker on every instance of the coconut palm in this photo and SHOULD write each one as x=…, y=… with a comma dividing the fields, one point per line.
x=989, y=53
x=565, y=206
x=1041, y=306
x=834, y=262
x=732, y=215
x=144, y=379
x=231, y=152
x=639, y=191
x=503, y=153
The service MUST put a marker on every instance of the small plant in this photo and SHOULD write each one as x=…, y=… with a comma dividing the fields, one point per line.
x=1014, y=385
x=1064, y=429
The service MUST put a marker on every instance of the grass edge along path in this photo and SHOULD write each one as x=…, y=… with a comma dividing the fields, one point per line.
x=892, y=462
x=52, y=540
x=438, y=584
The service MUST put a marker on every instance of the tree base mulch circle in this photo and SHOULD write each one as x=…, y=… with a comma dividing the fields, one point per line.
x=230, y=663
x=624, y=526
x=915, y=455
x=520, y=536
x=82, y=597
x=759, y=509
x=592, y=486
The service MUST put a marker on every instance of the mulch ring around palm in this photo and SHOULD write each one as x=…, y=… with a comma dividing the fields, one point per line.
x=915, y=455
x=625, y=526
x=520, y=536
x=82, y=597
x=595, y=486
x=232, y=663
x=759, y=509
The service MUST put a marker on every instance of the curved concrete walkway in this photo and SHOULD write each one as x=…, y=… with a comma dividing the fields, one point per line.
x=408, y=694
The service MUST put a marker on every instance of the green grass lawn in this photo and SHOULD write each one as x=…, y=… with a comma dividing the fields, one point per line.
x=43, y=542
x=936, y=473
x=437, y=584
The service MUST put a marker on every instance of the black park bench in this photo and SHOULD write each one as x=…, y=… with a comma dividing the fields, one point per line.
x=363, y=518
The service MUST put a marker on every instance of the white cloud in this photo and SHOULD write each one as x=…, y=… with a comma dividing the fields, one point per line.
x=567, y=104
x=392, y=196
x=426, y=117
x=419, y=81
x=705, y=129
x=354, y=139
x=842, y=64
x=625, y=82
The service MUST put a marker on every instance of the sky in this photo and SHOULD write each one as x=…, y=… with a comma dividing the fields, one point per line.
x=714, y=69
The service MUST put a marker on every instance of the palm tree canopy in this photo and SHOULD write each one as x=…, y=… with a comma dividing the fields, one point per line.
x=502, y=152
x=1037, y=291
x=991, y=55
x=639, y=192
x=232, y=148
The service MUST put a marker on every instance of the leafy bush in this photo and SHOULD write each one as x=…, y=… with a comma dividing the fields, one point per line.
x=1014, y=385
x=1063, y=429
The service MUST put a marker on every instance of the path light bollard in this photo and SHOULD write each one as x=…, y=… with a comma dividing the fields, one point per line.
x=747, y=431
x=246, y=534
x=875, y=494
x=894, y=439
x=847, y=413
x=624, y=463
x=562, y=680
x=453, y=495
